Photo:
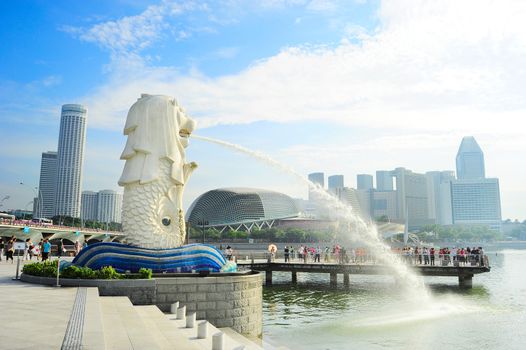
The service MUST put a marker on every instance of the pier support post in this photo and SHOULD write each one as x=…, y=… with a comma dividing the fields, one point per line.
x=268, y=277
x=334, y=279
x=465, y=281
x=346, y=279
x=294, y=277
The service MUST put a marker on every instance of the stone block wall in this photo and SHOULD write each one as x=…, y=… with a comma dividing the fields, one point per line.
x=231, y=301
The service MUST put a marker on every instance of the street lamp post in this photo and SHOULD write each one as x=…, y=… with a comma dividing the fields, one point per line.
x=38, y=194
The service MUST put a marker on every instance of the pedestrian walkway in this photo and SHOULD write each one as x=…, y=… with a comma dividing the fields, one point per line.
x=39, y=317
x=32, y=316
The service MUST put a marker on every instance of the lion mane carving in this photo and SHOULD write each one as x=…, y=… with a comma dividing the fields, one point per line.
x=155, y=172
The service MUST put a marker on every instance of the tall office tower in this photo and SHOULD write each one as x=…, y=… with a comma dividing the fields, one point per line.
x=439, y=196
x=317, y=178
x=384, y=203
x=315, y=207
x=364, y=182
x=411, y=190
x=70, y=158
x=384, y=180
x=109, y=206
x=470, y=160
x=335, y=182
x=46, y=194
x=476, y=202
x=89, y=205
x=475, y=199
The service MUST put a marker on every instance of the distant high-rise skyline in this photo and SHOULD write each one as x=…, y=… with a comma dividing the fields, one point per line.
x=109, y=206
x=70, y=159
x=46, y=186
x=364, y=182
x=335, y=182
x=102, y=206
x=384, y=180
x=89, y=205
x=475, y=199
x=470, y=160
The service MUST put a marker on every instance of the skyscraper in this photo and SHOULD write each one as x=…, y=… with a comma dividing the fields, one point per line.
x=335, y=182
x=70, y=159
x=384, y=180
x=109, y=206
x=46, y=186
x=364, y=182
x=317, y=178
x=439, y=196
x=89, y=206
x=470, y=160
x=411, y=193
x=475, y=199
x=477, y=202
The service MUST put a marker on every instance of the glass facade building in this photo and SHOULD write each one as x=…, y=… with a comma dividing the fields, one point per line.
x=70, y=159
x=476, y=202
x=48, y=175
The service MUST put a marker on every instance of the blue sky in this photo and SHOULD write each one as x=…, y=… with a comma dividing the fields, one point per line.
x=344, y=87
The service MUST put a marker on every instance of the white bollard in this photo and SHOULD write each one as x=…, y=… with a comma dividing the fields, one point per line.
x=190, y=320
x=218, y=341
x=174, y=307
x=181, y=313
x=202, y=330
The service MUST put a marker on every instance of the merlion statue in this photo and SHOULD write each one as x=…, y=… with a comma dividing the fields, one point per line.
x=155, y=172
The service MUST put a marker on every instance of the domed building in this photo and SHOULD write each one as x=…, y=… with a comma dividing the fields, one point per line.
x=240, y=209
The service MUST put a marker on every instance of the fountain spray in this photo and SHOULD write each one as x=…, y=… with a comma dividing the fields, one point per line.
x=366, y=233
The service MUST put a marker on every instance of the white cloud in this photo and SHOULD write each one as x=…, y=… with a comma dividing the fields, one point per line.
x=134, y=33
x=430, y=65
x=432, y=71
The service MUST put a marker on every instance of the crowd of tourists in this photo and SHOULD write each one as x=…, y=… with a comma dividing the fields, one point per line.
x=41, y=251
x=457, y=256
x=358, y=255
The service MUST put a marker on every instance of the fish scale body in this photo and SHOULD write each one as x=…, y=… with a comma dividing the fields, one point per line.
x=145, y=206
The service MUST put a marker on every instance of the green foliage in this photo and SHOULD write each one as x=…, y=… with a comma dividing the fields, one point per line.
x=145, y=273
x=45, y=269
x=73, y=271
x=439, y=233
x=108, y=273
x=76, y=222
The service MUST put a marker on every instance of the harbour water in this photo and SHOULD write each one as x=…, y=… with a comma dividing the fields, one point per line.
x=373, y=313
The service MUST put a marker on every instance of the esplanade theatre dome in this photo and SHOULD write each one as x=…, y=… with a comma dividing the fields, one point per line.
x=240, y=208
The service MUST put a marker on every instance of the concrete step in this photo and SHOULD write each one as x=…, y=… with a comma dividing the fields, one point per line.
x=248, y=343
x=169, y=337
x=93, y=330
x=123, y=326
x=191, y=333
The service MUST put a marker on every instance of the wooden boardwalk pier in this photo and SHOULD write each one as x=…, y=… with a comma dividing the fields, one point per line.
x=464, y=273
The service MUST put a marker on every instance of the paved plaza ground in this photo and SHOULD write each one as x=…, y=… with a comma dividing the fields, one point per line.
x=31, y=316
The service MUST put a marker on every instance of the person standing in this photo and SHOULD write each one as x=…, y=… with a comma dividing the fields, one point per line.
x=46, y=249
x=26, y=249
x=432, y=256
x=286, y=253
x=60, y=247
x=77, y=247
x=10, y=249
x=2, y=246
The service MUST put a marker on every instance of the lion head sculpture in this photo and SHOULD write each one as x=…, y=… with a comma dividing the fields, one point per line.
x=157, y=127
x=155, y=172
